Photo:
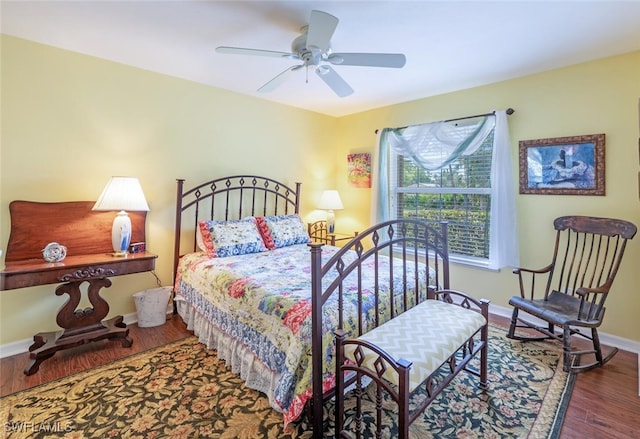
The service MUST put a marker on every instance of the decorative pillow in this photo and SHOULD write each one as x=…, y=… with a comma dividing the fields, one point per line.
x=199, y=239
x=231, y=238
x=282, y=230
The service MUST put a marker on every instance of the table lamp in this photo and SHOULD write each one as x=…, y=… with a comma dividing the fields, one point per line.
x=330, y=201
x=122, y=194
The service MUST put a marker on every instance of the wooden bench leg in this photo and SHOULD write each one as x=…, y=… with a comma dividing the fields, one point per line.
x=484, y=354
x=403, y=400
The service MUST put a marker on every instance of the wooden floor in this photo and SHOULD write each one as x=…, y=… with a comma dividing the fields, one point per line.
x=604, y=402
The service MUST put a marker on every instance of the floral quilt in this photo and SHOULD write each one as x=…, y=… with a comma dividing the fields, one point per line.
x=264, y=300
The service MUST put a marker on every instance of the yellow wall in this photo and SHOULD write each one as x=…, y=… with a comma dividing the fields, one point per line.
x=70, y=121
x=596, y=97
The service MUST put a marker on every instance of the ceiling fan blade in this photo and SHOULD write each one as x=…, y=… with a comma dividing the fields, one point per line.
x=259, y=52
x=395, y=60
x=278, y=80
x=334, y=81
x=320, y=30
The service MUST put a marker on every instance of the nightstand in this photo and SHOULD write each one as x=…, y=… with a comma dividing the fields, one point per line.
x=89, y=260
x=318, y=232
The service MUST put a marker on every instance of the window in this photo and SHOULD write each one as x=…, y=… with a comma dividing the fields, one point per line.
x=459, y=193
x=458, y=171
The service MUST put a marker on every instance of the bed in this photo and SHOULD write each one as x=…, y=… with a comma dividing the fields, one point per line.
x=270, y=311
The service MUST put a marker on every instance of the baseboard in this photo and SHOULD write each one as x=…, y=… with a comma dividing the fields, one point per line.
x=22, y=346
x=606, y=339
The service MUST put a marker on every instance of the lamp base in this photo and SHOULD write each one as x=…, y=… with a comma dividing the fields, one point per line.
x=331, y=221
x=121, y=234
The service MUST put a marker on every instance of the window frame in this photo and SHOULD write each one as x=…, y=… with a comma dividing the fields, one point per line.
x=395, y=192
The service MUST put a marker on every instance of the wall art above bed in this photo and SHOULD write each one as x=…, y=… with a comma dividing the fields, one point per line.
x=563, y=165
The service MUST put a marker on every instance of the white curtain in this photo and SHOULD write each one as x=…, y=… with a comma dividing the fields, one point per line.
x=503, y=244
x=380, y=194
x=435, y=145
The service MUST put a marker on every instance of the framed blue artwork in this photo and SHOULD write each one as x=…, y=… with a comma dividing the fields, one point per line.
x=563, y=165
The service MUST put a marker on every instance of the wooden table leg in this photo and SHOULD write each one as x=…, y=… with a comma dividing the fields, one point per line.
x=79, y=326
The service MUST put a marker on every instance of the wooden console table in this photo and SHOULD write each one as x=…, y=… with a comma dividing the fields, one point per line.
x=87, y=236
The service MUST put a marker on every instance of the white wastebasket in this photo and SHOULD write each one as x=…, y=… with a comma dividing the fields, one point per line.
x=151, y=306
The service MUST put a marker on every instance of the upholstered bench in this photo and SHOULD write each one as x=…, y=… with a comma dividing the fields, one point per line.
x=404, y=353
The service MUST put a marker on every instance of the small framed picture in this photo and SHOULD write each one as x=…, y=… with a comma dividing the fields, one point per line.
x=359, y=170
x=563, y=165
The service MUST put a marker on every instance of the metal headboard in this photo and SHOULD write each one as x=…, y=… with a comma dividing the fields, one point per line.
x=229, y=198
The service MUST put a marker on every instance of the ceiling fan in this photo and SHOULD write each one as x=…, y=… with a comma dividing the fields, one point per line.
x=313, y=48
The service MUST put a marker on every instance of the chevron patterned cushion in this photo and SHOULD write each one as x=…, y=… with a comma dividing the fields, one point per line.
x=427, y=335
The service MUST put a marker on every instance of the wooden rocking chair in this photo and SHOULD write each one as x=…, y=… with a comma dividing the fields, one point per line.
x=573, y=288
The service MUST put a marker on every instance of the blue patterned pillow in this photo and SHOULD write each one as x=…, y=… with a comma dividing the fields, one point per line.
x=231, y=238
x=282, y=230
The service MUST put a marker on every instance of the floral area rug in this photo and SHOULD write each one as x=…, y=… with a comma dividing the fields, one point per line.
x=182, y=390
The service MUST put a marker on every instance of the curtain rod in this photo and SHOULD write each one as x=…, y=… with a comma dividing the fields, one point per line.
x=509, y=111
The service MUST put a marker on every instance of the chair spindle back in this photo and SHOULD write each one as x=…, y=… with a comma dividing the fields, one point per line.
x=587, y=253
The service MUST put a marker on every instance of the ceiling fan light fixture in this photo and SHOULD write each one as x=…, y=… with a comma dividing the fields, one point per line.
x=335, y=59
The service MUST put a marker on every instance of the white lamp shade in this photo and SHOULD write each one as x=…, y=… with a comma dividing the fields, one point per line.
x=330, y=200
x=121, y=194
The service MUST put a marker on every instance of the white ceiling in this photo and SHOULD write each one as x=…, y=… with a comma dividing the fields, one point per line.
x=449, y=45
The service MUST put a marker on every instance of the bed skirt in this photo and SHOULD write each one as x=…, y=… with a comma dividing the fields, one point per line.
x=255, y=374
